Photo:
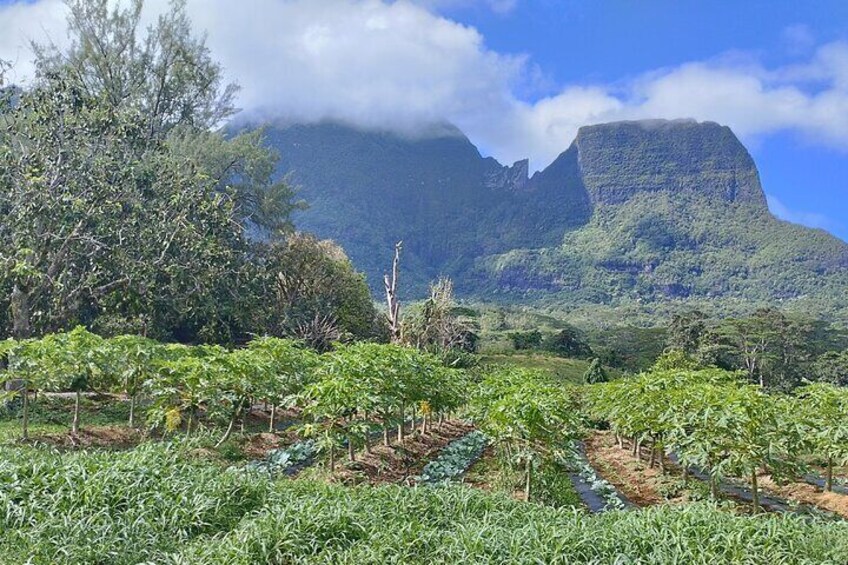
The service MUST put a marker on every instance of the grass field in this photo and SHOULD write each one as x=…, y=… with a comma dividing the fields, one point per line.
x=160, y=503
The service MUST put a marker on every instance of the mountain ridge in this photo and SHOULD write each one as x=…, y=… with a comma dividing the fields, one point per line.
x=647, y=211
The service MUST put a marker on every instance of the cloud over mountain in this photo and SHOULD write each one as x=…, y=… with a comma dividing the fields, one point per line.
x=396, y=65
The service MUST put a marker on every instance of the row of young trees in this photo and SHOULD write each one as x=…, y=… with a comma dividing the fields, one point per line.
x=362, y=388
x=712, y=419
x=177, y=381
x=344, y=393
x=527, y=415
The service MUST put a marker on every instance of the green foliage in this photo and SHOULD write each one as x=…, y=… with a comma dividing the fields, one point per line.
x=831, y=367
x=708, y=418
x=454, y=459
x=521, y=410
x=311, y=280
x=526, y=340
x=595, y=373
x=568, y=343
x=154, y=504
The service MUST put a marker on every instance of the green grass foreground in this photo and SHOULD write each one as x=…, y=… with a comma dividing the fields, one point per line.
x=158, y=504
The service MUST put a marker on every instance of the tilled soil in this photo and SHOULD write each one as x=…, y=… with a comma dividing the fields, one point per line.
x=399, y=463
x=808, y=494
x=635, y=479
x=105, y=437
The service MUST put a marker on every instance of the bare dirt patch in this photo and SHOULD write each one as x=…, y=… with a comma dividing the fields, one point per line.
x=808, y=494
x=400, y=462
x=103, y=437
x=639, y=482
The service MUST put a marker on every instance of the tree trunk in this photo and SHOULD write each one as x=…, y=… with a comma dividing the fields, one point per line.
x=635, y=447
x=386, y=435
x=75, y=422
x=401, y=423
x=528, y=477
x=25, y=420
x=19, y=306
x=351, y=453
x=189, y=423
x=685, y=476
x=424, y=425
x=661, y=455
x=273, y=418
x=332, y=458
x=653, y=458
x=368, y=442
x=132, y=411
x=231, y=426
x=755, y=493
x=828, y=480
x=713, y=488
x=392, y=301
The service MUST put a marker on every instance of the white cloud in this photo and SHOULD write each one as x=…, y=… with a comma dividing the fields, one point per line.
x=809, y=219
x=497, y=6
x=399, y=64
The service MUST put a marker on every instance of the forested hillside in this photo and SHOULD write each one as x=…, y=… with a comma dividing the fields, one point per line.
x=640, y=212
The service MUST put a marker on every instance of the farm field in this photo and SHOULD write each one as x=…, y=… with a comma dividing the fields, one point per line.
x=379, y=453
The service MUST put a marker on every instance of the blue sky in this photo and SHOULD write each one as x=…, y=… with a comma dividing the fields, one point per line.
x=519, y=77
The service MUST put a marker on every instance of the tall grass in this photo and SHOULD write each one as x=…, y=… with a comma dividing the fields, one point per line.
x=156, y=504
x=114, y=507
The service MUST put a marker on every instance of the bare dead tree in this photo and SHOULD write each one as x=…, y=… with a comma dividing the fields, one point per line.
x=391, y=296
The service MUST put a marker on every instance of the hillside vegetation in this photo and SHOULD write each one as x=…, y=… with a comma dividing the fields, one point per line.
x=633, y=216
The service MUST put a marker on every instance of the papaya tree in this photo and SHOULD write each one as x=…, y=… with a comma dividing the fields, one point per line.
x=76, y=361
x=333, y=404
x=526, y=413
x=290, y=366
x=823, y=408
x=178, y=389
x=133, y=360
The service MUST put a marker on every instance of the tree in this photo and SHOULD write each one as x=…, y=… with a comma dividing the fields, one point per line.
x=392, y=300
x=112, y=147
x=768, y=345
x=686, y=331
x=525, y=413
x=133, y=358
x=290, y=369
x=77, y=361
x=314, y=293
x=438, y=324
x=832, y=367
x=526, y=340
x=595, y=373
x=824, y=411
x=568, y=343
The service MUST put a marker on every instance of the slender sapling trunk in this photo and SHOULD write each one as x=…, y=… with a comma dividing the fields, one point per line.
x=273, y=417
x=755, y=493
x=25, y=420
x=230, y=427
x=75, y=422
x=828, y=480
x=132, y=411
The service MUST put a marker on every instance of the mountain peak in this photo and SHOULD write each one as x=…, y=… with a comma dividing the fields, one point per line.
x=621, y=159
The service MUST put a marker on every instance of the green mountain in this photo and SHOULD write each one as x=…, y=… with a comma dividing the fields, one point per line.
x=631, y=213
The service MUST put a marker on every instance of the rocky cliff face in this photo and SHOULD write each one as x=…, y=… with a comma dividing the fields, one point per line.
x=631, y=210
x=621, y=159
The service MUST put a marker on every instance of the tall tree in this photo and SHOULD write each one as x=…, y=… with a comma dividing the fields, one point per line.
x=120, y=200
